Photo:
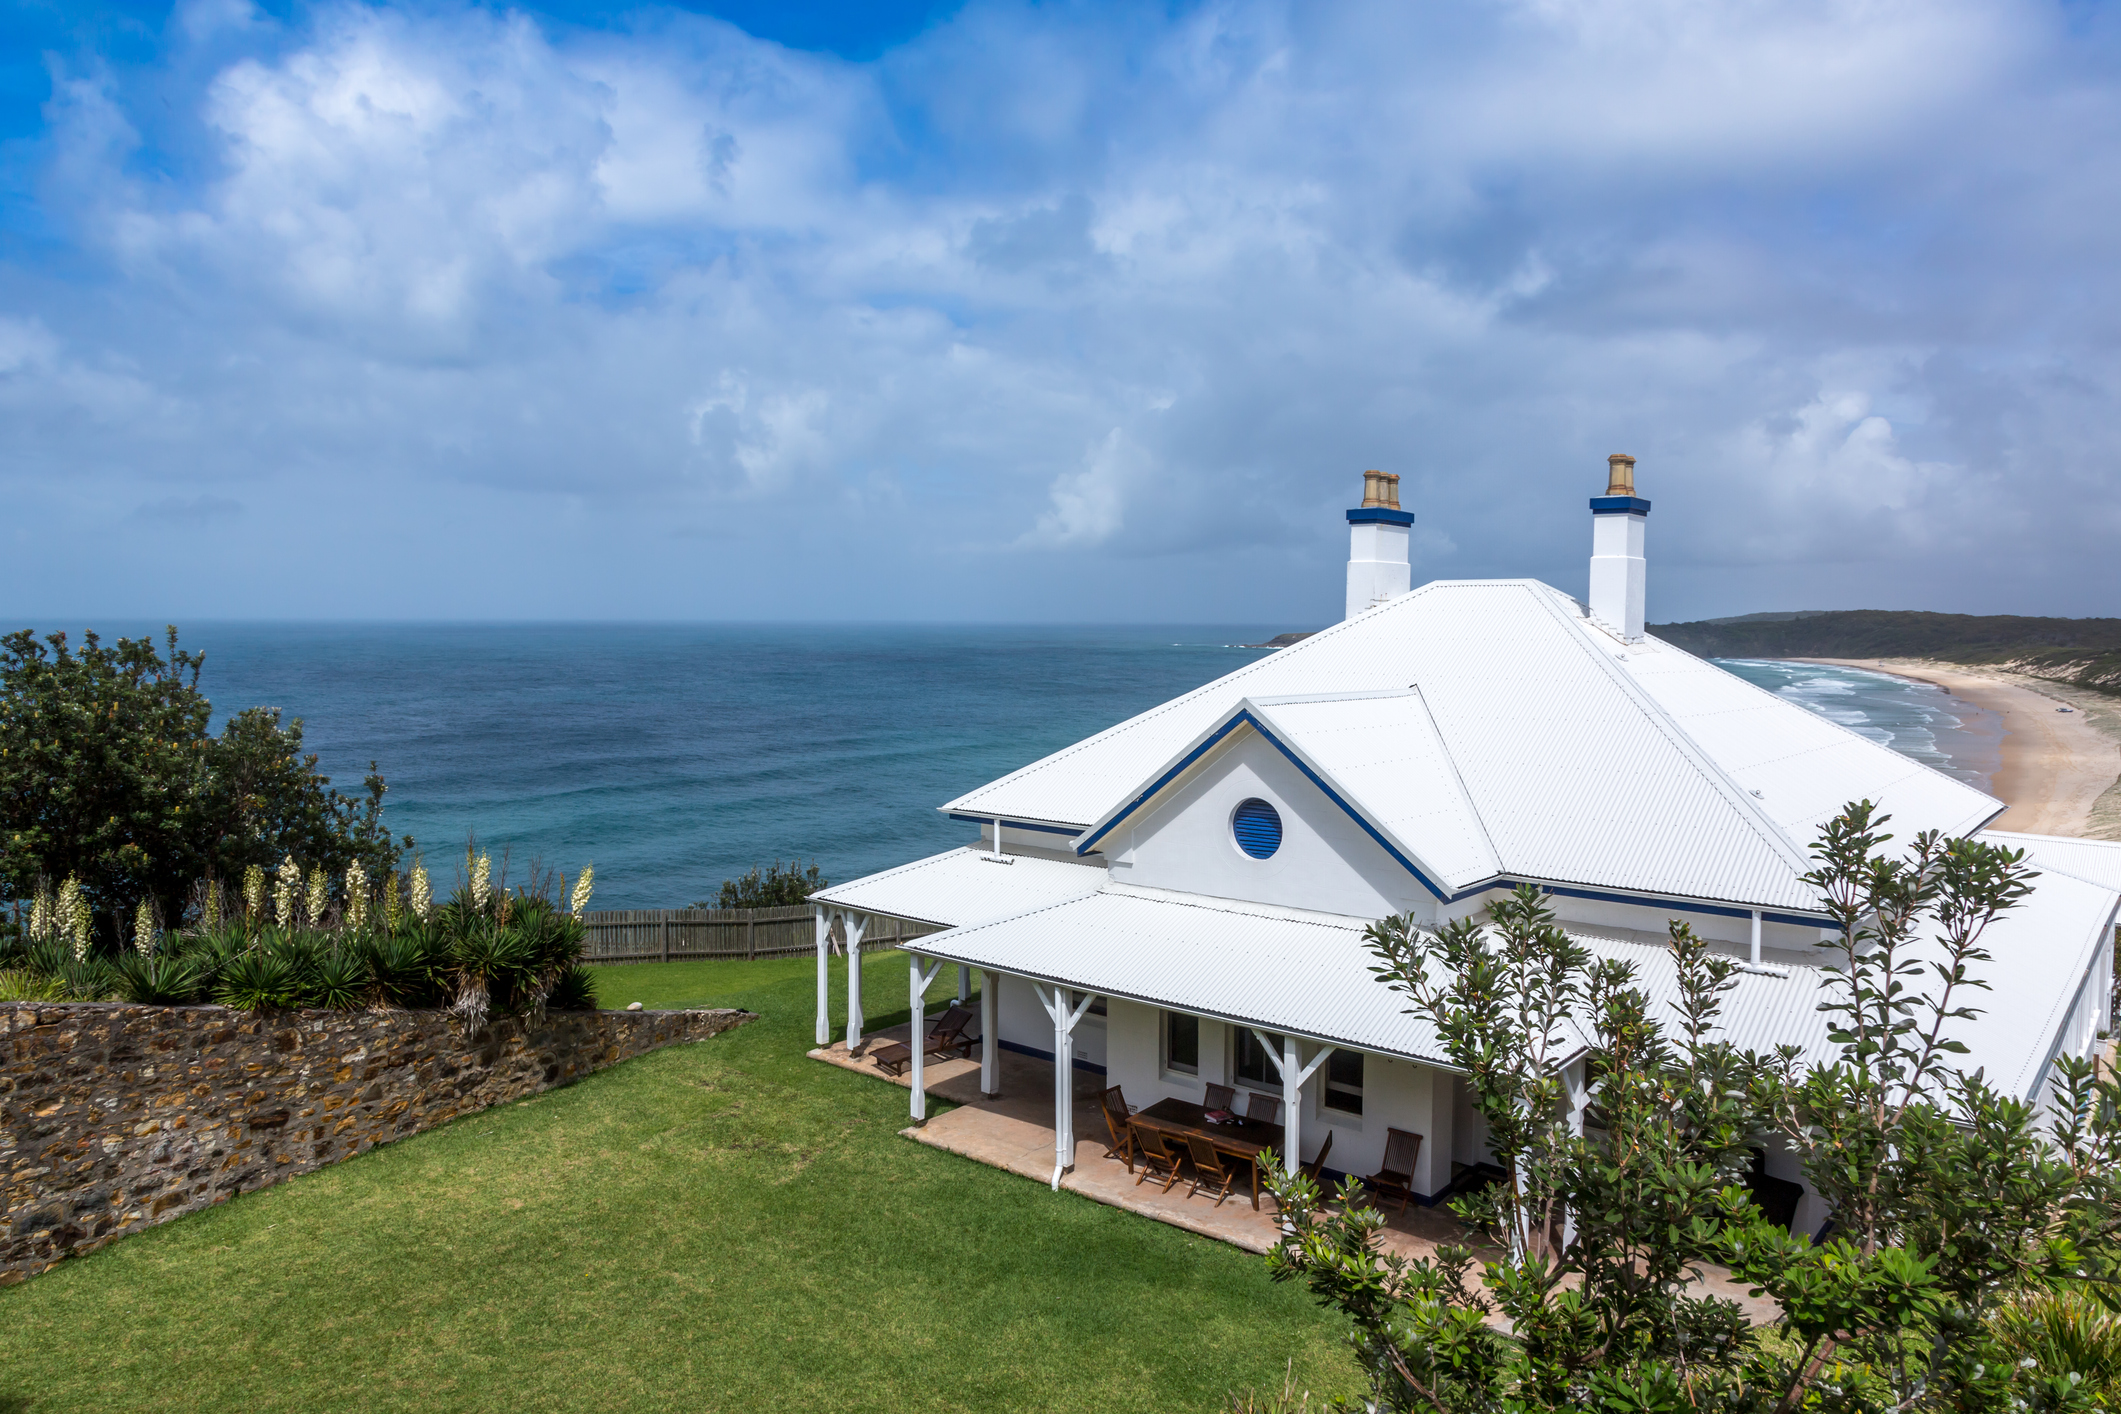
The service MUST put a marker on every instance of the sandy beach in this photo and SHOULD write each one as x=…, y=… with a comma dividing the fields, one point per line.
x=2061, y=771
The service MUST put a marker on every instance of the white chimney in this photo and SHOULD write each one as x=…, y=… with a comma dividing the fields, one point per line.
x=1619, y=578
x=1377, y=545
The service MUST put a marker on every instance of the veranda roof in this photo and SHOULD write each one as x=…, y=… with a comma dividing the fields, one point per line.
x=961, y=886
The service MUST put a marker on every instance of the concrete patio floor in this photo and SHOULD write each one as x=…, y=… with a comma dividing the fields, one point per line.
x=1015, y=1132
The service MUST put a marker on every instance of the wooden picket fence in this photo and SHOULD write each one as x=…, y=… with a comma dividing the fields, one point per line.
x=683, y=934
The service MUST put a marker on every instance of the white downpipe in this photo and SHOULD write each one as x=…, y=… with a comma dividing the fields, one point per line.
x=990, y=1034
x=917, y=988
x=1055, y=1001
x=964, y=983
x=1293, y=1079
x=1756, y=937
x=855, y=924
x=997, y=837
x=824, y=977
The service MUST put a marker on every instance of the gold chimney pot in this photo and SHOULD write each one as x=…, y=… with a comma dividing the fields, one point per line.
x=1620, y=475
x=1380, y=489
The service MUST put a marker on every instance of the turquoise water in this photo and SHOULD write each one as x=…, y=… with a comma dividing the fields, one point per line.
x=675, y=756
x=1913, y=718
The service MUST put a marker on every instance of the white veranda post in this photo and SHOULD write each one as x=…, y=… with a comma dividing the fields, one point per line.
x=824, y=991
x=852, y=926
x=1575, y=1080
x=990, y=1034
x=917, y=981
x=1055, y=1000
x=1293, y=1076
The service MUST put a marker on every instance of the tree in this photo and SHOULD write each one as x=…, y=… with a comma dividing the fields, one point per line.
x=1955, y=1203
x=777, y=886
x=108, y=773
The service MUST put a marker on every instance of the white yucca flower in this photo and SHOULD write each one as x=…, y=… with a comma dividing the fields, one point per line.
x=582, y=887
x=423, y=891
x=356, y=895
x=319, y=897
x=144, y=929
x=74, y=916
x=393, y=905
x=212, y=906
x=286, y=892
x=43, y=916
x=482, y=880
x=253, y=891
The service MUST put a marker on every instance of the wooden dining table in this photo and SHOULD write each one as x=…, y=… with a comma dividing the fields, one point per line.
x=1242, y=1140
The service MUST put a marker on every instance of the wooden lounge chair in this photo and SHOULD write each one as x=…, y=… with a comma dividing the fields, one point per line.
x=892, y=1056
x=1220, y=1097
x=1210, y=1169
x=1157, y=1160
x=1316, y=1169
x=1396, y=1174
x=1263, y=1107
x=948, y=1033
x=1119, y=1125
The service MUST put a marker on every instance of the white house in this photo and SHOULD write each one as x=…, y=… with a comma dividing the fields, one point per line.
x=1181, y=898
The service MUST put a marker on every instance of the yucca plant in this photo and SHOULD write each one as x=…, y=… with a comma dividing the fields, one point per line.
x=257, y=981
x=158, y=980
x=408, y=968
x=25, y=984
x=574, y=989
x=492, y=966
x=340, y=981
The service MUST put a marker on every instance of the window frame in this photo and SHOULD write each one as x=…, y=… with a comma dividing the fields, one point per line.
x=1326, y=1087
x=1163, y=1044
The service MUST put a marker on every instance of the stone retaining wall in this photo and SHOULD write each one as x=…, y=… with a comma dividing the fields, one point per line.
x=114, y=1117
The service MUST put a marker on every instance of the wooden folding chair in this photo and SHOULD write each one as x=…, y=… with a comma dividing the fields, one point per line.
x=1118, y=1124
x=1396, y=1174
x=1220, y=1097
x=1157, y=1160
x=1210, y=1169
x=1258, y=1106
x=1317, y=1167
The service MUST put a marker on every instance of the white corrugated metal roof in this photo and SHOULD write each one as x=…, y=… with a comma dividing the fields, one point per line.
x=963, y=886
x=2094, y=861
x=1309, y=973
x=1582, y=761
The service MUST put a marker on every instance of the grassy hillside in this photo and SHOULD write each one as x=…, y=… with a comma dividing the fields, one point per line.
x=2084, y=652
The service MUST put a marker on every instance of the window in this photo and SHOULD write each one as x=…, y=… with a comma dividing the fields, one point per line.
x=1254, y=1065
x=1344, y=1082
x=1257, y=827
x=1181, y=1043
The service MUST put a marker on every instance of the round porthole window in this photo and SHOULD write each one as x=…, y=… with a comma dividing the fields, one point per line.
x=1258, y=829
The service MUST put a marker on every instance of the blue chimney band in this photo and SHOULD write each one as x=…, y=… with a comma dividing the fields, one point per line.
x=1614, y=506
x=1385, y=515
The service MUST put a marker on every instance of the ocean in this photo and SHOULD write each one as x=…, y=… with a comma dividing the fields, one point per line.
x=676, y=756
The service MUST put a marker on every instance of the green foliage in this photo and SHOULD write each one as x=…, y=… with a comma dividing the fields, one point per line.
x=157, y=981
x=20, y=984
x=480, y=954
x=1957, y=1207
x=108, y=774
x=777, y=886
x=2086, y=652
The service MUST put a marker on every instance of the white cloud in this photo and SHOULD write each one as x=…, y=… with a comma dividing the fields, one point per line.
x=594, y=287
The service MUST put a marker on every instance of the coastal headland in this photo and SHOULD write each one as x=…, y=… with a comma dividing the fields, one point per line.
x=2061, y=771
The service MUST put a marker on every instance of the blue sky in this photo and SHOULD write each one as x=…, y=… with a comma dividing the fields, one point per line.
x=1052, y=312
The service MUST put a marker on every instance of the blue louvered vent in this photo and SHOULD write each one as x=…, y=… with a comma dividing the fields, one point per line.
x=1258, y=829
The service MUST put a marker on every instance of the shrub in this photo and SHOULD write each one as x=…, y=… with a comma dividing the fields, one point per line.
x=575, y=989
x=775, y=887
x=257, y=982
x=340, y=981
x=20, y=984
x=158, y=981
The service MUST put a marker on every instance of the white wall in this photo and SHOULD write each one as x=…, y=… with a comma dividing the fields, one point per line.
x=1024, y=1022
x=1326, y=862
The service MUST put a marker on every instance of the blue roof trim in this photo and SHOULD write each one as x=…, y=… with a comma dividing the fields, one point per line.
x=1677, y=905
x=1018, y=824
x=1380, y=515
x=1718, y=910
x=1315, y=779
x=1619, y=505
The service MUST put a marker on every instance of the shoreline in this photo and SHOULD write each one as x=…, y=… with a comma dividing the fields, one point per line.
x=2061, y=771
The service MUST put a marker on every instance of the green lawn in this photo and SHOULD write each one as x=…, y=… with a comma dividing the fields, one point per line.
x=722, y=1226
